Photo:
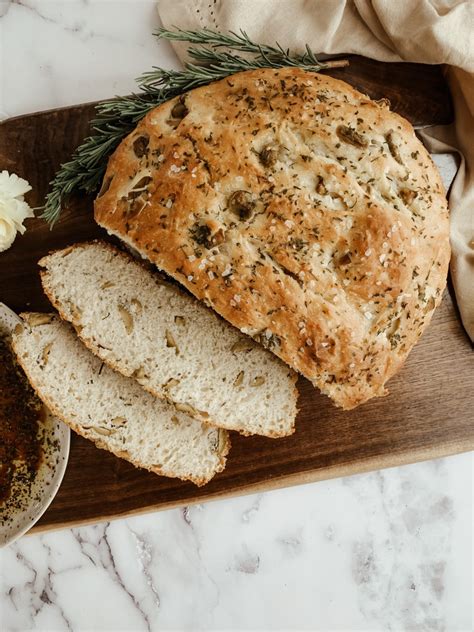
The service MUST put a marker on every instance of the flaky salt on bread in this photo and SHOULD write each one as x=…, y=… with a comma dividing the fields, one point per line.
x=307, y=215
x=112, y=410
x=172, y=345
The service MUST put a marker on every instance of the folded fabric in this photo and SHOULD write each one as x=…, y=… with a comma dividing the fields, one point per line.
x=426, y=31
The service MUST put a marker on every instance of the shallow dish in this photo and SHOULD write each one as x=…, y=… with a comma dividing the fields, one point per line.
x=22, y=510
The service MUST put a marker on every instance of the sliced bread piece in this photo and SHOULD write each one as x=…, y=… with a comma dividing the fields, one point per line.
x=174, y=346
x=112, y=410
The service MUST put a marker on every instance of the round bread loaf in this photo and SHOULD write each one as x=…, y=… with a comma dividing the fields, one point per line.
x=306, y=214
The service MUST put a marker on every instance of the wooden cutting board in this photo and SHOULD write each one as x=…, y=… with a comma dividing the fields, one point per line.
x=429, y=411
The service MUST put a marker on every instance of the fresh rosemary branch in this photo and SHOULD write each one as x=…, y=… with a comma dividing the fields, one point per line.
x=212, y=63
x=213, y=57
x=242, y=43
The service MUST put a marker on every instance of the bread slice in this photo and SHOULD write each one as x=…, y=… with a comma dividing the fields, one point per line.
x=111, y=410
x=171, y=344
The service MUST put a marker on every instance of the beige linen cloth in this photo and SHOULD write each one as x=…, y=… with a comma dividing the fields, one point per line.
x=426, y=31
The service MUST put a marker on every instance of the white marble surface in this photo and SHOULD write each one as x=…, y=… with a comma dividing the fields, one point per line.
x=389, y=550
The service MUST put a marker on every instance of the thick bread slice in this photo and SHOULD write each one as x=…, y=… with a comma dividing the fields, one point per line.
x=172, y=345
x=111, y=410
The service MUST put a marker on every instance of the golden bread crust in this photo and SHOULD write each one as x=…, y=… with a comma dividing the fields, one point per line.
x=306, y=214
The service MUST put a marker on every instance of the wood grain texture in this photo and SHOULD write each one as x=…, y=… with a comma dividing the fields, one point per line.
x=427, y=414
x=415, y=91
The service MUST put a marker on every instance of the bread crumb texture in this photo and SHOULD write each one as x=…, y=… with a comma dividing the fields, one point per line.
x=174, y=346
x=111, y=410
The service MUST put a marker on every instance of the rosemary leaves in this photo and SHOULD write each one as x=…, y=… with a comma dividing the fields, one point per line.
x=214, y=56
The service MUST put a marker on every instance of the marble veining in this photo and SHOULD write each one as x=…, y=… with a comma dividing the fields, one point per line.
x=389, y=550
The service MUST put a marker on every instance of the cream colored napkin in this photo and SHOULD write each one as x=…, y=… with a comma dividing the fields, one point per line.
x=426, y=31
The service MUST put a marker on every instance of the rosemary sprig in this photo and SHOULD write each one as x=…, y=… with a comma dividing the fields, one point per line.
x=212, y=63
x=242, y=43
x=214, y=56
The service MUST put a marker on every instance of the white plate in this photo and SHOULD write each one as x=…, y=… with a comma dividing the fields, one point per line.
x=17, y=519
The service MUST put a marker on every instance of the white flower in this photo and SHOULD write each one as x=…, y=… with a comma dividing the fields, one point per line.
x=13, y=208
